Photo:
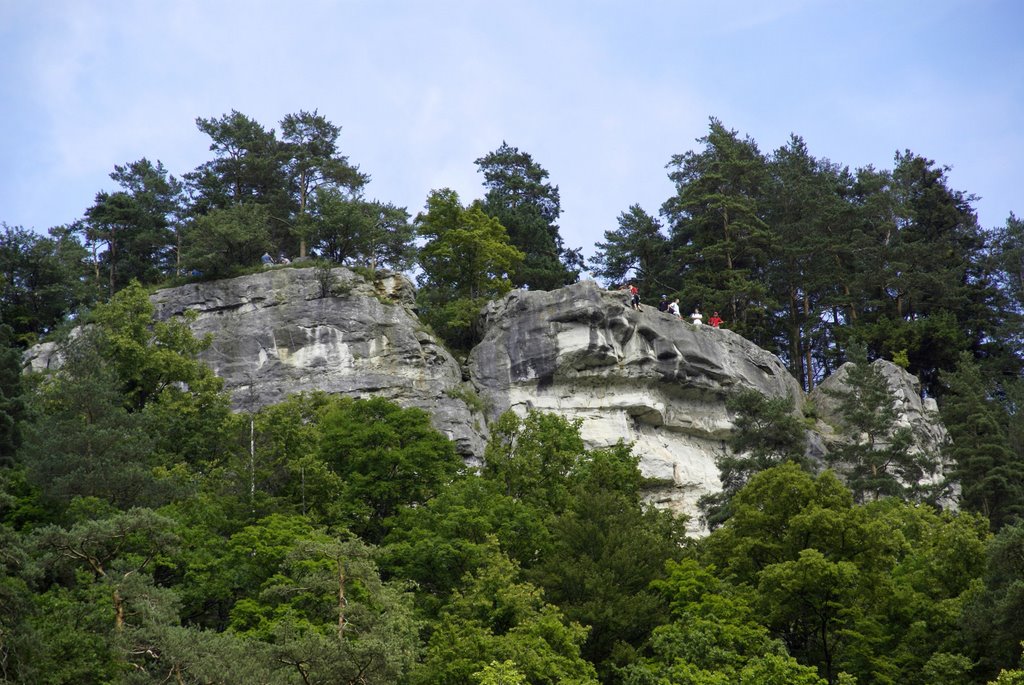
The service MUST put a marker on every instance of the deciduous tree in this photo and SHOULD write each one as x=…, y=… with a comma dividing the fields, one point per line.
x=386, y=457
x=607, y=547
x=714, y=637
x=466, y=261
x=497, y=617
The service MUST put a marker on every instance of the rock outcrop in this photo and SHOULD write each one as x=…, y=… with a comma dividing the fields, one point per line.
x=284, y=331
x=920, y=416
x=644, y=377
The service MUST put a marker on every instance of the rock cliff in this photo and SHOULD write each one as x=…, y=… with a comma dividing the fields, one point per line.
x=920, y=416
x=644, y=377
x=285, y=331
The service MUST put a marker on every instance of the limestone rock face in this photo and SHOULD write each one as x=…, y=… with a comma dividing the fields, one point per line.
x=643, y=377
x=921, y=416
x=284, y=331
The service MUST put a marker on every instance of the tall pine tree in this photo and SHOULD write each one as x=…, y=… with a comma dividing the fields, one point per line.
x=990, y=475
x=528, y=206
x=719, y=236
x=636, y=246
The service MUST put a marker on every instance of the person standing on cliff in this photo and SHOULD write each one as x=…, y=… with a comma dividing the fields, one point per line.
x=635, y=299
x=715, y=320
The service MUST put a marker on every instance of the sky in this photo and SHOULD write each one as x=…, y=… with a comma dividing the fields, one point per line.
x=600, y=93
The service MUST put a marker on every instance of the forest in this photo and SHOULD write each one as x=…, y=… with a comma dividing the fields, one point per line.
x=150, y=534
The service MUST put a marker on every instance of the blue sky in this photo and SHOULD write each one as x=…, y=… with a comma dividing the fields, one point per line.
x=601, y=93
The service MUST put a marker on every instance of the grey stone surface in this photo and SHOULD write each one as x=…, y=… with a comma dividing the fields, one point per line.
x=644, y=377
x=920, y=415
x=274, y=335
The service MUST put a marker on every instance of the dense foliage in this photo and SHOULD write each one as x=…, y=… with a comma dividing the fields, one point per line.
x=149, y=534
x=804, y=256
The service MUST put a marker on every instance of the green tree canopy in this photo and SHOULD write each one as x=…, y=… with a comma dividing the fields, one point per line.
x=313, y=161
x=248, y=166
x=527, y=205
x=636, y=246
x=217, y=244
x=718, y=233
x=497, y=617
x=607, y=548
x=466, y=261
x=714, y=637
x=993, y=617
x=878, y=458
x=767, y=433
x=133, y=233
x=989, y=472
x=12, y=400
x=41, y=281
x=373, y=234
x=386, y=458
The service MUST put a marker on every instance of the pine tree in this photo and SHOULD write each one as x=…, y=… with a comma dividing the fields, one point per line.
x=637, y=246
x=877, y=458
x=718, y=233
x=991, y=477
x=527, y=205
x=807, y=210
x=12, y=404
x=767, y=434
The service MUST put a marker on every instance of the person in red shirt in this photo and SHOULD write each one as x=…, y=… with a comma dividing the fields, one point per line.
x=715, y=320
x=635, y=301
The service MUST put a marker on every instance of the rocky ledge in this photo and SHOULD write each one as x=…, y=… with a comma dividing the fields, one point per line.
x=645, y=377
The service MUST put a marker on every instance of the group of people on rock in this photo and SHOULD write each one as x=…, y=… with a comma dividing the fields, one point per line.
x=267, y=260
x=671, y=307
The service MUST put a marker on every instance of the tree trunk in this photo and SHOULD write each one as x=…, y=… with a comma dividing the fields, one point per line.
x=113, y=264
x=118, y=611
x=728, y=262
x=303, y=197
x=807, y=346
x=341, y=599
x=795, y=357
